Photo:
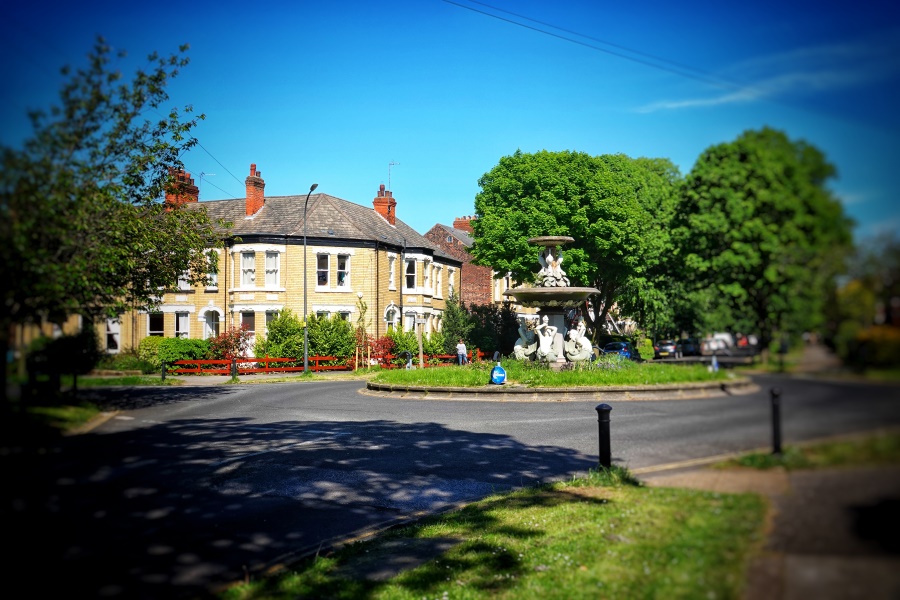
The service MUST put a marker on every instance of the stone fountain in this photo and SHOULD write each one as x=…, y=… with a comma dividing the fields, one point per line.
x=545, y=339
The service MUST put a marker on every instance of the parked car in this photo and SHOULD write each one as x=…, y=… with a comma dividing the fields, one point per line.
x=624, y=349
x=666, y=349
x=689, y=347
x=715, y=346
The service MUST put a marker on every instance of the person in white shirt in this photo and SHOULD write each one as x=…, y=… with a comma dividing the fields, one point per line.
x=461, y=353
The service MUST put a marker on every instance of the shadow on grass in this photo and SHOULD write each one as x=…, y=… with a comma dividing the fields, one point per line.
x=417, y=559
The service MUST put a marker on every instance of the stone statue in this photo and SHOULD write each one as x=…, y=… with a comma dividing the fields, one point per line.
x=551, y=273
x=578, y=348
x=526, y=345
x=546, y=334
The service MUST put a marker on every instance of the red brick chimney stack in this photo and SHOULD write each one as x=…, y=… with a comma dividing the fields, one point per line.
x=182, y=190
x=255, y=190
x=385, y=205
x=464, y=224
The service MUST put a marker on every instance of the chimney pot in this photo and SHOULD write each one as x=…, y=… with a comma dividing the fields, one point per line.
x=385, y=205
x=255, y=191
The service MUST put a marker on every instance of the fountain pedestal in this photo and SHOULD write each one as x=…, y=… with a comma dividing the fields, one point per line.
x=553, y=297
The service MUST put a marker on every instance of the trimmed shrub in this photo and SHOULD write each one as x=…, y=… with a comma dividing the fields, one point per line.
x=284, y=338
x=127, y=360
x=173, y=349
x=148, y=351
x=331, y=336
x=156, y=350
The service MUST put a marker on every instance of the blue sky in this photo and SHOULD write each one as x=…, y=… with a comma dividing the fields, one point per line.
x=334, y=92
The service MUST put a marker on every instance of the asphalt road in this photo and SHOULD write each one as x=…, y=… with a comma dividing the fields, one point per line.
x=187, y=489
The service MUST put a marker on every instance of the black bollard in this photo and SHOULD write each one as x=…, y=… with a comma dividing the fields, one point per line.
x=234, y=369
x=775, y=395
x=163, y=374
x=603, y=418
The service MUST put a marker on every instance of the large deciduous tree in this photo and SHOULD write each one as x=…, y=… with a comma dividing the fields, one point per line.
x=760, y=235
x=616, y=208
x=83, y=228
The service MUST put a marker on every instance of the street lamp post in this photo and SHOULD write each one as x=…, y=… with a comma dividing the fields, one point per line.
x=305, y=324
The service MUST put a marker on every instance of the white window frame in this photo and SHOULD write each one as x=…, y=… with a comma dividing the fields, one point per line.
x=212, y=324
x=182, y=324
x=183, y=282
x=273, y=270
x=426, y=276
x=249, y=312
x=451, y=282
x=439, y=281
x=392, y=271
x=343, y=275
x=156, y=332
x=248, y=269
x=409, y=262
x=212, y=280
x=320, y=270
x=391, y=316
x=114, y=333
x=271, y=315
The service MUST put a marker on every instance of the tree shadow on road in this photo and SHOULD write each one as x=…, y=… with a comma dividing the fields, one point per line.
x=178, y=508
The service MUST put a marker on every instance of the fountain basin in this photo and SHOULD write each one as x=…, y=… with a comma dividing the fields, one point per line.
x=551, y=297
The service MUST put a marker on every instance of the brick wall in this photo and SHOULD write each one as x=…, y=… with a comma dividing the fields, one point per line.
x=475, y=282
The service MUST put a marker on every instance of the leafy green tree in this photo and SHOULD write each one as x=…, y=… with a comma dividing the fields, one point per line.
x=82, y=226
x=864, y=316
x=456, y=324
x=617, y=209
x=496, y=328
x=761, y=239
x=433, y=343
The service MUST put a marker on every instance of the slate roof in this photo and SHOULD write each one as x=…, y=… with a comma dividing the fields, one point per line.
x=462, y=236
x=329, y=218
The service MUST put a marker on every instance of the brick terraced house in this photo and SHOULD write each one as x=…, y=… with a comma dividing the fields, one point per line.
x=478, y=284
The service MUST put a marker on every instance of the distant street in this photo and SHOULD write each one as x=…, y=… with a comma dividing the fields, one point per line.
x=191, y=487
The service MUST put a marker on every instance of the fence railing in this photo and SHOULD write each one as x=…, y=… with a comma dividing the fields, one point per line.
x=264, y=364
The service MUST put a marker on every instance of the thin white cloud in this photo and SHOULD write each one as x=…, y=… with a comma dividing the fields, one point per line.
x=853, y=198
x=817, y=69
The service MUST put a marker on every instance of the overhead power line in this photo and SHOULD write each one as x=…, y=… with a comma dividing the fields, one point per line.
x=220, y=164
x=652, y=61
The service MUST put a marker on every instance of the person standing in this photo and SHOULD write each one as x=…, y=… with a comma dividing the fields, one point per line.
x=461, y=352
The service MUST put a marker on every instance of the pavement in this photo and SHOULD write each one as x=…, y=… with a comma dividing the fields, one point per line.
x=831, y=534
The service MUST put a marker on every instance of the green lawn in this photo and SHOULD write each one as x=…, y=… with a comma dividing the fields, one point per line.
x=605, y=536
x=611, y=372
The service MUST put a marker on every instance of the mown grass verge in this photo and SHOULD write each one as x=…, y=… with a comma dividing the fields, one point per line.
x=603, y=536
x=881, y=448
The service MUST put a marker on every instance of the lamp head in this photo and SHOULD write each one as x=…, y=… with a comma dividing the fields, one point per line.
x=313, y=186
